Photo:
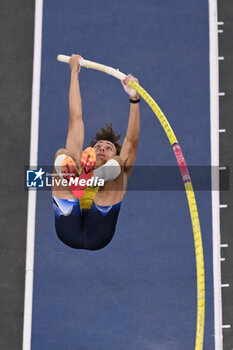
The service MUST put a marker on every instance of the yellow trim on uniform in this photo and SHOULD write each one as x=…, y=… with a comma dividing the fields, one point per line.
x=89, y=194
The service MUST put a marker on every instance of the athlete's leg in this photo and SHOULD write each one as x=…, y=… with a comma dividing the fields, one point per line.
x=113, y=191
x=99, y=225
x=68, y=215
x=69, y=222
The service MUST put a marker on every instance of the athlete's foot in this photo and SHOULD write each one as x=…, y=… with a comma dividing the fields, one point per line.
x=65, y=167
x=87, y=163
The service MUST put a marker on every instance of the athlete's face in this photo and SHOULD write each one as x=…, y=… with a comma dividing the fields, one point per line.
x=104, y=150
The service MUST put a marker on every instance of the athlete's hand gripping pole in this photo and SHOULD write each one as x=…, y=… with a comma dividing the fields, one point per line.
x=89, y=64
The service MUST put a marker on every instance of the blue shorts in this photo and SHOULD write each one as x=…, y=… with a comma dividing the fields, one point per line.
x=89, y=229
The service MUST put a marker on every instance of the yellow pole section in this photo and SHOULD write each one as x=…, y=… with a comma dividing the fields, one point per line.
x=193, y=213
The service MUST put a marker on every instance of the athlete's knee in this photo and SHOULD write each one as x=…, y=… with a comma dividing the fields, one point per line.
x=61, y=151
x=119, y=160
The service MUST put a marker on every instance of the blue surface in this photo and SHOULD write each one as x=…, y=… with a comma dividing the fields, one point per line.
x=139, y=292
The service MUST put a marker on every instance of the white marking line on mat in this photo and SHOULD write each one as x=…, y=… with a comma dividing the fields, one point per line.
x=222, y=130
x=31, y=216
x=224, y=245
x=214, y=129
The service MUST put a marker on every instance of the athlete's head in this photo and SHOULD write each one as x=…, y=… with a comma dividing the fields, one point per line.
x=105, y=143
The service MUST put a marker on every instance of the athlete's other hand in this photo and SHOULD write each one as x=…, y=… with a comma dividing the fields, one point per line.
x=74, y=63
x=132, y=93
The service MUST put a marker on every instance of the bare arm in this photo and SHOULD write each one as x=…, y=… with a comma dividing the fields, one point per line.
x=75, y=137
x=129, y=147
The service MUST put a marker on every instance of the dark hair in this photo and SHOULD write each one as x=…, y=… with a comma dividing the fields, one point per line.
x=107, y=134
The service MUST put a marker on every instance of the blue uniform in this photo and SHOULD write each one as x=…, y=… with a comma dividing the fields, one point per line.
x=90, y=229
